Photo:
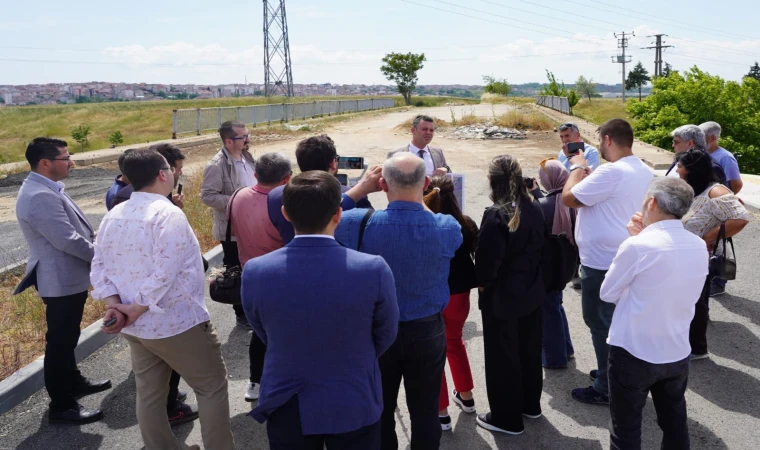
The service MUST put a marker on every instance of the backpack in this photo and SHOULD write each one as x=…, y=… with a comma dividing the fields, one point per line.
x=559, y=257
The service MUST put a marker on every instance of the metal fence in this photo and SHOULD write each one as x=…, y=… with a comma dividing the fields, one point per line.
x=196, y=120
x=556, y=103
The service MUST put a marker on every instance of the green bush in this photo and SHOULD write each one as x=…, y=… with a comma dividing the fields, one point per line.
x=696, y=97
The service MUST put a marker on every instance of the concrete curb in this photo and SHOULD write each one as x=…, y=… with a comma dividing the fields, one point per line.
x=30, y=378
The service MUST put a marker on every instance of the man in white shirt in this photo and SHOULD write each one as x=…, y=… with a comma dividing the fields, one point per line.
x=655, y=281
x=148, y=271
x=606, y=199
x=423, y=129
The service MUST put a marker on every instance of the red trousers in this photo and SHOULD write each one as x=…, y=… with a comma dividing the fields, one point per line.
x=454, y=317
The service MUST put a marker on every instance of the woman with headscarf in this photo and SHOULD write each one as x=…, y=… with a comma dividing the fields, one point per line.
x=507, y=263
x=557, y=348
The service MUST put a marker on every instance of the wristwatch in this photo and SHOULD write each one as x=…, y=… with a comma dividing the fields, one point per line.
x=576, y=166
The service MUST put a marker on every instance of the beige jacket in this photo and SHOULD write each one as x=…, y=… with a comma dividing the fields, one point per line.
x=435, y=153
x=220, y=181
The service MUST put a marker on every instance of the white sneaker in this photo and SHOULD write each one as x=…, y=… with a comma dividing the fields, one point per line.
x=252, y=394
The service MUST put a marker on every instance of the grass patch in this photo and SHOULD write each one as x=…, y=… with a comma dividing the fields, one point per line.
x=200, y=216
x=23, y=326
x=496, y=99
x=437, y=101
x=600, y=110
x=407, y=124
x=524, y=120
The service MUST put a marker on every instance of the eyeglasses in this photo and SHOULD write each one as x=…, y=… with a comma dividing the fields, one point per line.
x=542, y=164
x=68, y=158
x=169, y=168
x=237, y=138
x=337, y=157
x=568, y=126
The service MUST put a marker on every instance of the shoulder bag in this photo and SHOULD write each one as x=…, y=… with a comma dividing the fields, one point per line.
x=721, y=266
x=225, y=287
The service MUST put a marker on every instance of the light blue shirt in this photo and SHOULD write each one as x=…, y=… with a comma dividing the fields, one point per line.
x=590, y=153
x=728, y=163
x=57, y=186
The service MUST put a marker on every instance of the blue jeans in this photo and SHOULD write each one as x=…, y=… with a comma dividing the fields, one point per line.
x=598, y=317
x=555, y=343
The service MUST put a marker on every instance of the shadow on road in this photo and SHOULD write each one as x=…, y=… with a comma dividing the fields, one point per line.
x=736, y=342
x=727, y=388
x=74, y=437
x=740, y=306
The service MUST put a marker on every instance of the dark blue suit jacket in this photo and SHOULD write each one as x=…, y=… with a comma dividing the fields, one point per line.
x=323, y=339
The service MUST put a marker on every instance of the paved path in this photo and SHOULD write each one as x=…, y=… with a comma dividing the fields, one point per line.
x=722, y=397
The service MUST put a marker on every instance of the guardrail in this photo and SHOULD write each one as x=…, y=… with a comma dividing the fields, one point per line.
x=201, y=119
x=556, y=103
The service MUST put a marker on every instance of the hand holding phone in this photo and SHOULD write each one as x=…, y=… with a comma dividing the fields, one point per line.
x=179, y=189
x=574, y=148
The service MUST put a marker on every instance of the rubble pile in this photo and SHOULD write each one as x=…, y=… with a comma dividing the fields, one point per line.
x=486, y=131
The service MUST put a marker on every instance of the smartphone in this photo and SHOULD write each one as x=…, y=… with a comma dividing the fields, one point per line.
x=342, y=178
x=528, y=182
x=574, y=147
x=109, y=322
x=179, y=189
x=350, y=162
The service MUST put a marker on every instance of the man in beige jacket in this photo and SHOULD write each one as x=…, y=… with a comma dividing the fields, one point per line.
x=229, y=170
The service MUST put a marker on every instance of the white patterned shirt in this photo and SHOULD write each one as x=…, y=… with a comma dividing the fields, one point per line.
x=147, y=253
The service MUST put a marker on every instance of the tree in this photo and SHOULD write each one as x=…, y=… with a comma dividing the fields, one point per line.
x=80, y=134
x=496, y=86
x=553, y=88
x=116, y=138
x=403, y=68
x=586, y=87
x=637, y=78
x=754, y=72
x=667, y=70
x=697, y=97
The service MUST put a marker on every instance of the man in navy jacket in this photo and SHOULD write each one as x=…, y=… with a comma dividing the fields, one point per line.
x=321, y=383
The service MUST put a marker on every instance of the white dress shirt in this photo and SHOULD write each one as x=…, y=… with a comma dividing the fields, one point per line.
x=147, y=253
x=655, y=280
x=429, y=166
x=244, y=172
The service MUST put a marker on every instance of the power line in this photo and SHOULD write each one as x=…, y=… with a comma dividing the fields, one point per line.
x=512, y=8
x=725, y=49
x=688, y=57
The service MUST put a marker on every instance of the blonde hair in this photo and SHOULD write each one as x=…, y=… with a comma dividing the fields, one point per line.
x=507, y=187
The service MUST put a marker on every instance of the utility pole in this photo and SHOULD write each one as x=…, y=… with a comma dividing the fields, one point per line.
x=622, y=44
x=657, y=53
x=278, y=77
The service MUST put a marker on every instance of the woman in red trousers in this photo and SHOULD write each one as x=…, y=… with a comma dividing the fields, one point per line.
x=440, y=198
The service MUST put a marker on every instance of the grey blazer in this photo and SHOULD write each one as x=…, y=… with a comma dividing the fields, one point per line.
x=220, y=181
x=60, y=241
x=439, y=160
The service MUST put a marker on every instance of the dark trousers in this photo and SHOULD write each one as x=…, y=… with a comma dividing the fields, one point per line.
x=417, y=356
x=698, y=328
x=597, y=315
x=514, y=376
x=231, y=258
x=284, y=431
x=631, y=380
x=171, y=399
x=63, y=316
x=557, y=346
x=256, y=352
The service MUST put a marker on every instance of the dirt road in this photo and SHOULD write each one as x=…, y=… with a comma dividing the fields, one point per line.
x=371, y=137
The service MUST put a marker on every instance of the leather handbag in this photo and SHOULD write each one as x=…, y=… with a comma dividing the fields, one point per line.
x=225, y=287
x=723, y=266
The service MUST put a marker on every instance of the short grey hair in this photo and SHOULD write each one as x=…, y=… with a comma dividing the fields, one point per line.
x=691, y=133
x=569, y=126
x=673, y=195
x=420, y=118
x=272, y=168
x=711, y=129
x=411, y=176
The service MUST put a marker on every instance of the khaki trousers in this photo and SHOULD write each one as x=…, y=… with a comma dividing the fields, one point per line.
x=196, y=355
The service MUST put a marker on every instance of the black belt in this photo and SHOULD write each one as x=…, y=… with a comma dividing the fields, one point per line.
x=430, y=318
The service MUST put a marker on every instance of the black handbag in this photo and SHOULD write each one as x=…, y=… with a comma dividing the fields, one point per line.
x=721, y=266
x=225, y=287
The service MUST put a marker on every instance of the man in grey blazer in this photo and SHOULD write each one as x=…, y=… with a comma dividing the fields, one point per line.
x=423, y=129
x=60, y=251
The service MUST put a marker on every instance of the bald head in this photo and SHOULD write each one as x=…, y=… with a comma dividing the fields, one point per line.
x=404, y=172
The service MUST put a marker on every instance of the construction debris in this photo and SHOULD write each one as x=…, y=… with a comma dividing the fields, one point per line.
x=486, y=131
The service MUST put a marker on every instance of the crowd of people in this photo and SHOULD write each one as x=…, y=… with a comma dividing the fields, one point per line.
x=327, y=362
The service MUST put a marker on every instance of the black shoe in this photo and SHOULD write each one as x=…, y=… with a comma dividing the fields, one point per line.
x=592, y=374
x=85, y=386
x=183, y=413
x=484, y=421
x=591, y=396
x=445, y=423
x=181, y=396
x=76, y=415
x=716, y=290
x=467, y=406
x=242, y=322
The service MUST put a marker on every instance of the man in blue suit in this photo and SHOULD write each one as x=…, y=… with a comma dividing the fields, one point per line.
x=321, y=384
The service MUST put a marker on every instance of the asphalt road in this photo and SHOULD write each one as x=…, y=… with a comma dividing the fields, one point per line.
x=82, y=184
x=723, y=395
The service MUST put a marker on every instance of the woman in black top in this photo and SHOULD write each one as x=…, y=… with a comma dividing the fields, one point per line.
x=440, y=199
x=507, y=264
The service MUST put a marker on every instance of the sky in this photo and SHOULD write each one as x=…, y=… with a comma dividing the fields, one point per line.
x=343, y=42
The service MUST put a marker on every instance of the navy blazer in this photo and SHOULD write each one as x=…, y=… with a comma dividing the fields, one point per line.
x=323, y=337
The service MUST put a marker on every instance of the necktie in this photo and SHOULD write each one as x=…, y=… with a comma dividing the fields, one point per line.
x=421, y=154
